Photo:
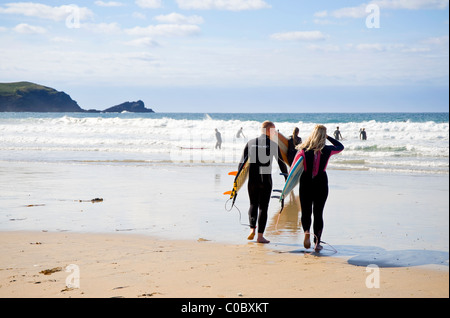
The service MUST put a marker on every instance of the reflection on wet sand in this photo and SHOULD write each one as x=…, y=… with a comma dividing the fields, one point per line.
x=288, y=220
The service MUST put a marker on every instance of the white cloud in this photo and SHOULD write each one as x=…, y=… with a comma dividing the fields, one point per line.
x=299, y=36
x=416, y=50
x=164, y=30
x=379, y=47
x=324, y=21
x=58, y=39
x=138, y=15
x=323, y=48
x=24, y=28
x=142, y=42
x=360, y=11
x=141, y=56
x=109, y=4
x=412, y=4
x=321, y=14
x=43, y=11
x=106, y=28
x=231, y=5
x=149, y=4
x=442, y=40
x=371, y=47
x=176, y=18
x=351, y=12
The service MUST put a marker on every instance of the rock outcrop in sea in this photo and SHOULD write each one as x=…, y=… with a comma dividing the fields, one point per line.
x=133, y=107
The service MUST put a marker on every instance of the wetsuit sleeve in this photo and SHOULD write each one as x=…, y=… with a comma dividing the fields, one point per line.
x=337, y=146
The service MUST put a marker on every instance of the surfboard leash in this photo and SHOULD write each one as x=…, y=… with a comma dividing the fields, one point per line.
x=280, y=197
x=317, y=239
x=234, y=206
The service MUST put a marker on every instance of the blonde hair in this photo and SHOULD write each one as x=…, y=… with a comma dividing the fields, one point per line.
x=316, y=141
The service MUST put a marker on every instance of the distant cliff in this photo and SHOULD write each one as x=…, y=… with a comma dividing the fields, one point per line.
x=134, y=107
x=30, y=97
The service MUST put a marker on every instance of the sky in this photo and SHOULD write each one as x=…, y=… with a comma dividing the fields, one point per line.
x=233, y=55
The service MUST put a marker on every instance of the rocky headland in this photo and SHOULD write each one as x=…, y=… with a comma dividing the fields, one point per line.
x=31, y=97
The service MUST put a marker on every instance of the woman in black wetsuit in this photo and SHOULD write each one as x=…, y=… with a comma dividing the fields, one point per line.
x=293, y=142
x=314, y=181
x=260, y=152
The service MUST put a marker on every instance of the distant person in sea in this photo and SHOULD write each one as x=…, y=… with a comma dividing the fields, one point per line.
x=314, y=181
x=260, y=153
x=240, y=133
x=218, y=140
x=363, y=134
x=337, y=134
x=293, y=141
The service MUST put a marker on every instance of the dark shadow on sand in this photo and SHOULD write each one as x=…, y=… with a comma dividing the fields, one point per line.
x=396, y=258
x=371, y=255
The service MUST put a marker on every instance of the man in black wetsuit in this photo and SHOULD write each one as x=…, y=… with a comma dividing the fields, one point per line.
x=260, y=153
x=363, y=134
x=337, y=134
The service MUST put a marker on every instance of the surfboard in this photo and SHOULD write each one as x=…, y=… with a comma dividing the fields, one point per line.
x=283, y=144
x=239, y=180
x=192, y=148
x=242, y=174
x=293, y=178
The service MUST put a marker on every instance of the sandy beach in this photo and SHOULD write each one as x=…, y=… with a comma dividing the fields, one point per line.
x=123, y=265
x=140, y=242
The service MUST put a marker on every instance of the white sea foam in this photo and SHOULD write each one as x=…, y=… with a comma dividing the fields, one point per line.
x=393, y=146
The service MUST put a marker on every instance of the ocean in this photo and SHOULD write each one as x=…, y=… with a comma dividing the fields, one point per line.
x=396, y=142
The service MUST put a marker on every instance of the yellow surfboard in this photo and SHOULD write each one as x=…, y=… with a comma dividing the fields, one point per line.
x=242, y=174
x=239, y=180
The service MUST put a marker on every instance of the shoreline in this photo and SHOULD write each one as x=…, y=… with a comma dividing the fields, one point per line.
x=139, y=266
x=362, y=208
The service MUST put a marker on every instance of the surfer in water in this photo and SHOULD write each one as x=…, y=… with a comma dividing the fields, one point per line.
x=218, y=140
x=260, y=153
x=293, y=142
x=240, y=133
x=363, y=134
x=337, y=134
x=314, y=181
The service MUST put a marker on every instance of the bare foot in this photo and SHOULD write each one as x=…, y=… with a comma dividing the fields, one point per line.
x=318, y=248
x=261, y=239
x=307, y=241
x=252, y=235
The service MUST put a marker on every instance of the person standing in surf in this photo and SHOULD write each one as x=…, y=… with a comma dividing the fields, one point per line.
x=293, y=142
x=260, y=153
x=218, y=140
x=240, y=133
x=314, y=181
x=337, y=134
x=363, y=134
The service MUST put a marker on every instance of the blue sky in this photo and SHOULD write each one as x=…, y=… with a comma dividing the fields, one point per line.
x=233, y=55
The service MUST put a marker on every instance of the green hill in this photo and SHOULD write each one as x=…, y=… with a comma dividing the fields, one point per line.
x=30, y=97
